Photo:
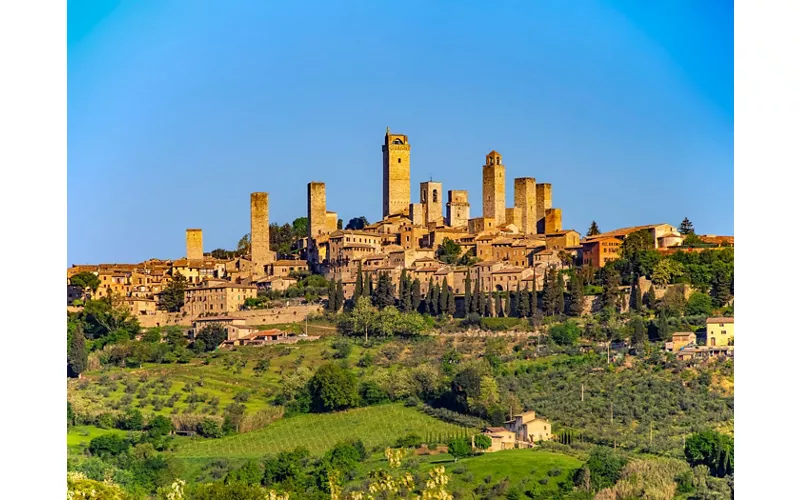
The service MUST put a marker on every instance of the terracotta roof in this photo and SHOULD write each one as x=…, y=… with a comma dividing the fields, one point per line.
x=626, y=230
x=217, y=318
x=509, y=270
x=712, y=238
x=562, y=232
x=682, y=334
x=497, y=429
x=227, y=284
x=719, y=320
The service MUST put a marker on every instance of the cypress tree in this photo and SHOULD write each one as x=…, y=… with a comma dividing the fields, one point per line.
x=467, y=293
x=429, y=298
x=523, y=309
x=445, y=291
x=487, y=305
x=636, y=295
x=476, y=306
x=576, y=298
x=498, y=305
x=401, y=292
x=368, y=286
x=480, y=303
x=359, y=291
x=451, y=303
x=416, y=295
x=437, y=292
x=339, y=295
x=513, y=306
x=77, y=359
x=650, y=297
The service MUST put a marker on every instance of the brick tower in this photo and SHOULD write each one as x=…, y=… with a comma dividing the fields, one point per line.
x=494, y=188
x=544, y=201
x=396, y=173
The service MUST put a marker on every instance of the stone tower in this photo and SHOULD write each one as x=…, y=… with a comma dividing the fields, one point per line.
x=494, y=188
x=552, y=220
x=544, y=201
x=194, y=244
x=396, y=173
x=430, y=196
x=457, y=208
x=317, y=212
x=525, y=200
x=260, y=254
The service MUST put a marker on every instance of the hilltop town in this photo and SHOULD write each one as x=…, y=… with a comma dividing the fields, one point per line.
x=503, y=250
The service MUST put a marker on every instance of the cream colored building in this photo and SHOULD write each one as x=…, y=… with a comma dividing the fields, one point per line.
x=215, y=298
x=502, y=439
x=528, y=427
x=719, y=332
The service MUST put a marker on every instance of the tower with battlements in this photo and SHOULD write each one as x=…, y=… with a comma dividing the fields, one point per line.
x=396, y=174
x=494, y=188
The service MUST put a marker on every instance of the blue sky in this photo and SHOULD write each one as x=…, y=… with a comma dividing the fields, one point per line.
x=178, y=110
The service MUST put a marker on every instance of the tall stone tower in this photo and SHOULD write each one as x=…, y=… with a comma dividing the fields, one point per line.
x=494, y=188
x=260, y=254
x=544, y=201
x=194, y=244
x=430, y=195
x=396, y=173
x=525, y=200
x=317, y=212
x=457, y=208
x=552, y=220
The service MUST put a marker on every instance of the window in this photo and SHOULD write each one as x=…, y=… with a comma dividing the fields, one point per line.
x=435, y=195
x=399, y=160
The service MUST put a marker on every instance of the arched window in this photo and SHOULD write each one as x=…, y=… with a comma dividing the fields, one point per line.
x=399, y=160
x=397, y=141
x=435, y=195
x=424, y=197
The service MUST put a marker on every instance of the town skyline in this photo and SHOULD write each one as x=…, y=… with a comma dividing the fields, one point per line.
x=629, y=122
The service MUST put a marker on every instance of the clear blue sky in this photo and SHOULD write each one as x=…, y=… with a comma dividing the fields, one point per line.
x=177, y=110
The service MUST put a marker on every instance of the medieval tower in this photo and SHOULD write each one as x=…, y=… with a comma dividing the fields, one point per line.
x=317, y=212
x=396, y=174
x=260, y=254
x=494, y=188
x=430, y=196
x=544, y=202
x=194, y=244
x=457, y=208
x=525, y=200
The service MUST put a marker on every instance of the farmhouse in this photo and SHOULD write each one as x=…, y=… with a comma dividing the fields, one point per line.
x=719, y=332
x=502, y=438
x=529, y=428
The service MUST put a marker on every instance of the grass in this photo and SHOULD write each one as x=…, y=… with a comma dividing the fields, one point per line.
x=80, y=435
x=376, y=426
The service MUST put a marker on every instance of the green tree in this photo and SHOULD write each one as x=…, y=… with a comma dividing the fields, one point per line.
x=467, y=293
x=459, y=448
x=406, y=302
x=699, y=304
x=482, y=441
x=384, y=292
x=333, y=388
x=686, y=227
x=662, y=327
x=666, y=271
x=691, y=240
x=249, y=473
x=212, y=336
x=605, y=466
x=172, y=297
x=476, y=304
x=85, y=280
x=339, y=224
x=565, y=333
x=721, y=283
x=449, y=251
x=339, y=295
x=553, y=299
x=636, y=295
x=712, y=449
x=159, y=426
x=359, y=291
x=635, y=243
x=593, y=229
x=650, y=297
x=611, y=283
x=437, y=293
x=300, y=227
x=368, y=288
x=498, y=304
x=363, y=316
x=576, y=295
x=524, y=307
x=357, y=223
x=512, y=303
x=243, y=246
x=445, y=291
x=77, y=359
x=451, y=302
x=416, y=295
x=637, y=330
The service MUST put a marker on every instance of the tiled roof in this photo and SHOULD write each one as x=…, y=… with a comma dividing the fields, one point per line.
x=720, y=320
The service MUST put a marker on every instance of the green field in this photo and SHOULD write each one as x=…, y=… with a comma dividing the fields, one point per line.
x=375, y=426
x=81, y=435
x=478, y=475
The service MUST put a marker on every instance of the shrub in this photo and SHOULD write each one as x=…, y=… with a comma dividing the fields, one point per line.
x=565, y=333
x=483, y=442
x=108, y=444
x=106, y=421
x=409, y=441
x=242, y=397
x=333, y=388
x=209, y=428
x=132, y=421
x=372, y=394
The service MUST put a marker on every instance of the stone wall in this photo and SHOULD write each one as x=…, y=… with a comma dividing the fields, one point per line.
x=525, y=200
x=259, y=231
x=194, y=244
x=317, y=211
x=288, y=314
x=552, y=220
x=457, y=208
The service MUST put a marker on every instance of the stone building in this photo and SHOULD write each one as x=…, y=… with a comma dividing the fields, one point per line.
x=525, y=200
x=194, y=244
x=430, y=196
x=317, y=212
x=220, y=297
x=597, y=251
x=552, y=220
x=494, y=188
x=544, y=201
x=396, y=173
x=260, y=254
x=457, y=208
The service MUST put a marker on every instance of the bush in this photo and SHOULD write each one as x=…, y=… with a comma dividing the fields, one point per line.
x=483, y=442
x=132, y=421
x=108, y=444
x=106, y=421
x=242, y=397
x=565, y=334
x=209, y=428
x=342, y=349
x=159, y=426
x=333, y=388
x=409, y=441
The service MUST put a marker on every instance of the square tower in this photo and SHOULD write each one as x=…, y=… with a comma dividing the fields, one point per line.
x=457, y=209
x=494, y=188
x=525, y=200
x=544, y=201
x=430, y=196
x=194, y=244
x=396, y=173
x=552, y=220
x=316, y=209
x=260, y=254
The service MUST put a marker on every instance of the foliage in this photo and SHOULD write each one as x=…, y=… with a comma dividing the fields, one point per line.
x=333, y=388
x=212, y=335
x=357, y=223
x=383, y=295
x=104, y=321
x=565, y=333
x=576, y=295
x=77, y=359
x=209, y=428
x=698, y=304
x=449, y=251
x=459, y=448
x=79, y=487
x=593, y=229
x=686, y=227
x=553, y=299
x=172, y=297
x=605, y=466
x=712, y=449
x=85, y=280
x=482, y=441
x=667, y=271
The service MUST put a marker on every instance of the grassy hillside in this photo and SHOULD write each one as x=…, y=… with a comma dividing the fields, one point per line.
x=375, y=426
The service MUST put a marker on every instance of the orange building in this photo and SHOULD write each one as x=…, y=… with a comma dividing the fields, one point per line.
x=598, y=251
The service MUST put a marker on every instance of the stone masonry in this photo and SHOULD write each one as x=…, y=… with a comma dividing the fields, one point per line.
x=544, y=200
x=457, y=208
x=525, y=200
x=194, y=244
x=430, y=195
x=259, y=232
x=494, y=188
x=552, y=220
x=317, y=212
x=396, y=173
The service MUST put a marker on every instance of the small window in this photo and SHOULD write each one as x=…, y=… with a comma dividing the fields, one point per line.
x=399, y=160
